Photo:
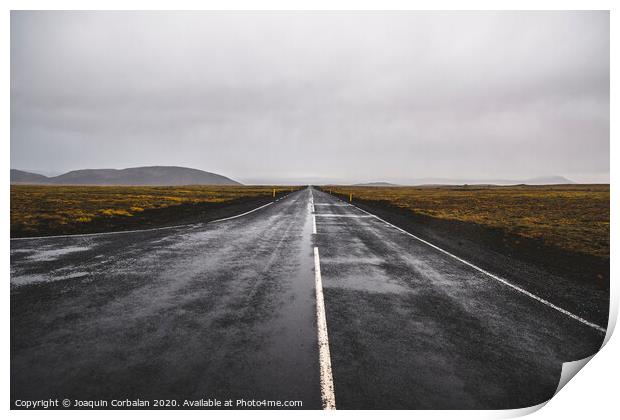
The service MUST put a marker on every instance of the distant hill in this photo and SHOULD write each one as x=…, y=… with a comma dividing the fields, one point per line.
x=23, y=177
x=542, y=180
x=146, y=175
x=548, y=180
x=376, y=184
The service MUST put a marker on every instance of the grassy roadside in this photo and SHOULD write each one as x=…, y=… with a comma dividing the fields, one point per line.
x=39, y=210
x=574, y=218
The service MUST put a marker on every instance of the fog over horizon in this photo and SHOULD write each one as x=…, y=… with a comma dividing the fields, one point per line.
x=271, y=97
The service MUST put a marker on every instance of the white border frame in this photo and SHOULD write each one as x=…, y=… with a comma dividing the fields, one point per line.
x=592, y=394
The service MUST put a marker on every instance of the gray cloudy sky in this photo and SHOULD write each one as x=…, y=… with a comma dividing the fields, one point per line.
x=349, y=97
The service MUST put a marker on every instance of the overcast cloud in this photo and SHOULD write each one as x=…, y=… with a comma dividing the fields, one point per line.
x=349, y=97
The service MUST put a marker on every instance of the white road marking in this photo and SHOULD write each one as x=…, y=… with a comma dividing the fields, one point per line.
x=327, y=382
x=342, y=215
x=328, y=397
x=333, y=205
x=242, y=214
x=82, y=235
x=312, y=212
x=493, y=276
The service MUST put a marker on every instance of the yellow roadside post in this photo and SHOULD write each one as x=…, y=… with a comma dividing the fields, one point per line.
x=274, y=193
x=350, y=197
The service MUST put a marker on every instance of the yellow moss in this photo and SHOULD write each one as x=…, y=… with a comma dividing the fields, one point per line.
x=40, y=206
x=573, y=217
x=114, y=212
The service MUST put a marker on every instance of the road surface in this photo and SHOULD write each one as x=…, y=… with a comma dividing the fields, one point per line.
x=228, y=310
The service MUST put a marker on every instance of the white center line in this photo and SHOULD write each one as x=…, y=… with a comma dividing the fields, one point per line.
x=313, y=224
x=312, y=212
x=327, y=382
x=328, y=397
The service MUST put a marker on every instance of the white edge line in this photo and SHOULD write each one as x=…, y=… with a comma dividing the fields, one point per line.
x=139, y=230
x=493, y=276
x=327, y=382
x=242, y=214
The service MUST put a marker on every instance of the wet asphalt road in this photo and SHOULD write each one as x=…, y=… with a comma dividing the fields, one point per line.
x=222, y=310
x=227, y=310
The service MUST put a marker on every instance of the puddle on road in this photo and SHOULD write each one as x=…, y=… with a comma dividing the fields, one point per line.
x=364, y=277
x=25, y=280
x=50, y=254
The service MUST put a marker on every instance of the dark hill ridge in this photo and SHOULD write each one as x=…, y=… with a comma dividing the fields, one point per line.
x=376, y=184
x=145, y=175
x=23, y=177
x=541, y=180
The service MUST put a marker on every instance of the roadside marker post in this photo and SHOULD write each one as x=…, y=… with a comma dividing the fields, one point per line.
x=274, y=193
x=350, y=197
